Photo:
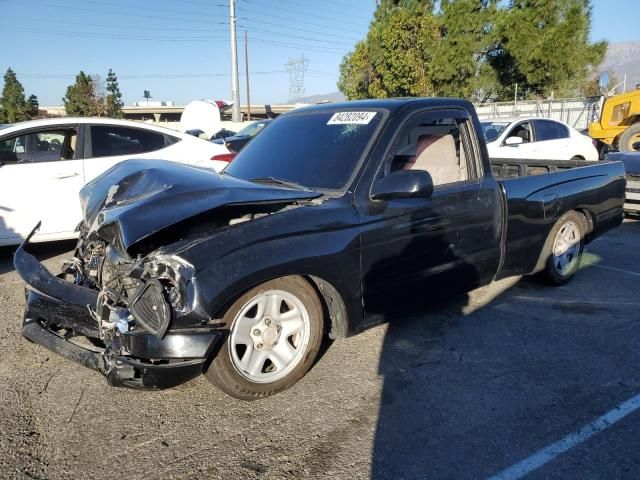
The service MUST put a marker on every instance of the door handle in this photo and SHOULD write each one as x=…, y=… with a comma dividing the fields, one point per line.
x=61, y=176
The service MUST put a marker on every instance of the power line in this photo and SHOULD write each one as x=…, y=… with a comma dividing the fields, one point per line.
x=128, y=5
x=111, y=12
x=300, y=47
x=137, y=27
x=262, y=14
x=289, y=27
x=331, y=19
x=341, y=4
x=164, y=38
x=288, y=35
x=110, y=36
x=155, y=76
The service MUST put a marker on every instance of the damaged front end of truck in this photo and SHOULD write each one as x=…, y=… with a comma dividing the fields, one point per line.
x=128, y=303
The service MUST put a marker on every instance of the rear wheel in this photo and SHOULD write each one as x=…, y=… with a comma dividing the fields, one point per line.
x=275, y=335
x=563, y=249
x=630, y=139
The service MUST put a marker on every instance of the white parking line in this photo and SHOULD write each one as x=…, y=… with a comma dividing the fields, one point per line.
x=621, y=270
x=547, y=454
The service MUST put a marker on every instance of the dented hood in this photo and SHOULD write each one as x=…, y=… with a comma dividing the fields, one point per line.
x=137, y=198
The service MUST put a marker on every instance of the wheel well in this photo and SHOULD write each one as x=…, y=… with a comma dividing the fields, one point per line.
x=589, y=218
x=577, y=157
x=333, y=305
x=334, y=309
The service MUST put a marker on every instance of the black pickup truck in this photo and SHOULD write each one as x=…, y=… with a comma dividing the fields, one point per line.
x=336, y=218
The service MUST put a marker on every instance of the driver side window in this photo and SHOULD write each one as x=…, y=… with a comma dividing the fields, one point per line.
x=436, y=143
x=53, y=145
x=40, y=146
x=13, y=149
x=523, y=131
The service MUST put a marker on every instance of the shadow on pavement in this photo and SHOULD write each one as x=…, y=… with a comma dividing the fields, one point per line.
x=42, y=251
x=470, y=388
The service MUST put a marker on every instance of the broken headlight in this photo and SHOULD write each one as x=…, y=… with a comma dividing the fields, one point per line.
x=150, y=309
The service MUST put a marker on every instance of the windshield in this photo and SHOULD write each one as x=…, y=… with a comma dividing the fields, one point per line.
x=318, y=150
x=493, y=129
x=251, y=130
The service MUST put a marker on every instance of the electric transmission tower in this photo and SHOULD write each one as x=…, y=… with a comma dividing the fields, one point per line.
x=296, y=68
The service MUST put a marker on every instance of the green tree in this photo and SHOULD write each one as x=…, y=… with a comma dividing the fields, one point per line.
x=461, y=66
x=355, y=73
x=476, y=49
x=402, y=52
x=113, y=107
x=13, y=106
x=394, y=59
x=545, y=46
x=386, y=7
x=81, y=99
x=32, y=106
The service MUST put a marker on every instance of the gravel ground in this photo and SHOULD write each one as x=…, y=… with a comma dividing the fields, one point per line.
x=463, y=391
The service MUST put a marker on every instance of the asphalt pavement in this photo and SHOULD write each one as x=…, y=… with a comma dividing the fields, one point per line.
x=513, y=379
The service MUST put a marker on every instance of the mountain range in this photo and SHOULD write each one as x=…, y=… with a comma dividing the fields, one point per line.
x=621, y=59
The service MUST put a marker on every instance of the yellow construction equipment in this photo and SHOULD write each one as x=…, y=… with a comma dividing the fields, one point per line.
x=619, y=125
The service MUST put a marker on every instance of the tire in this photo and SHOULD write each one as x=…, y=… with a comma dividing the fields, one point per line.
x=261, y=356
x=629, y=138
x=559, y=269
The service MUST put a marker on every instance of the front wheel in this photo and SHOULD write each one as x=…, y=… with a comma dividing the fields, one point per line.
x=275, y=334
x=630, y=139
x=563, y=249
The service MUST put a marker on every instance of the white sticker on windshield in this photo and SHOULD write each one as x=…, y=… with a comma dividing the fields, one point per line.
x=350, y=118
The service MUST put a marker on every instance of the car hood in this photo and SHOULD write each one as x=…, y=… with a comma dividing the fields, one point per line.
x=137, y=198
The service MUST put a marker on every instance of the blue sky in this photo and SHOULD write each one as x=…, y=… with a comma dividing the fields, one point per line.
x=179, y=49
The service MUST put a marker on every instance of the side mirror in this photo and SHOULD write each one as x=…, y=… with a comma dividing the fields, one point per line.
x=513, y=141
x=403, y=184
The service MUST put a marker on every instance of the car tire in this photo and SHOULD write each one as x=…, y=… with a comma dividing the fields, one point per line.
x=562, y=251
x=629, y=137
x=275, y=333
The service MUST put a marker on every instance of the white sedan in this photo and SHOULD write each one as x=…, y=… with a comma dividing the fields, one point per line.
x=45, y=163
x=536, y=138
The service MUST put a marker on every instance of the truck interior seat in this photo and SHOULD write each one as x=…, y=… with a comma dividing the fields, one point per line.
x=436, y=154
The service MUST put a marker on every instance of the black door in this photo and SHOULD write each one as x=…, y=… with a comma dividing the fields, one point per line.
x=417, y=250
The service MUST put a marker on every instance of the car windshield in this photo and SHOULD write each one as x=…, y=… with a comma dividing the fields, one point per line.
x=493, y=129
x=251, y=130
x=318, y=149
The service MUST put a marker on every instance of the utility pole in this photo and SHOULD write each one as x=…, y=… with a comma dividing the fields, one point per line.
x=246, y=69
x=235, y=89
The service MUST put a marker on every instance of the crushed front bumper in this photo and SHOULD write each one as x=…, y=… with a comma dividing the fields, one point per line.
x=57, y=317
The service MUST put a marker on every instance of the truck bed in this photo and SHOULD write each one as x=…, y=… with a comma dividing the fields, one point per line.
x=537, y=191
x=504, y=168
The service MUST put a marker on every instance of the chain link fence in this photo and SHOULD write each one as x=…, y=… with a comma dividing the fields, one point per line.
x=576, y=112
